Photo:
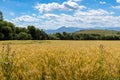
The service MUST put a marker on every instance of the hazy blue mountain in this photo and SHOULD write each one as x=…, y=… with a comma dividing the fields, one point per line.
x=114, y=28
x=64, y=29
x=74, y=29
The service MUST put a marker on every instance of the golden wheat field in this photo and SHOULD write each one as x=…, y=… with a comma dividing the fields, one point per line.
x=60, y=60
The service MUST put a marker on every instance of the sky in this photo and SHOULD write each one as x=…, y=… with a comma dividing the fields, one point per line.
x=52, y=14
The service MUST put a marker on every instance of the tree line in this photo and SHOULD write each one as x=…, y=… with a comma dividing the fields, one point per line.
x=74, y=36
x=8, y=31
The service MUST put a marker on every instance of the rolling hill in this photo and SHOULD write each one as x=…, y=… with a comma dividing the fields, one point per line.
x=100, y=32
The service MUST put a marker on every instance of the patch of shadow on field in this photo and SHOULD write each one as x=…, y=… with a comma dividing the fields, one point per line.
x=25, y=42
x=42, y=41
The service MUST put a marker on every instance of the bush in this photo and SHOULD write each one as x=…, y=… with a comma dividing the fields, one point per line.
x=1, y=36
x=24, y=36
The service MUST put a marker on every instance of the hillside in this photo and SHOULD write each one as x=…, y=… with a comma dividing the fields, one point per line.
x=100, y=32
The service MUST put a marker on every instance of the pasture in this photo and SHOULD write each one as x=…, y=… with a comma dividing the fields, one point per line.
x=59, y=60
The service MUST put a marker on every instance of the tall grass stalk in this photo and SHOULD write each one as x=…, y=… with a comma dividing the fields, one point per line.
x=101, y=62
x=7, y=62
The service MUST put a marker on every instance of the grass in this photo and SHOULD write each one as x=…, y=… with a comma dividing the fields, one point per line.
x=60, y=60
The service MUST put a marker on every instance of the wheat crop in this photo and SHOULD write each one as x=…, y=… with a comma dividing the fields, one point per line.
x=60, y=60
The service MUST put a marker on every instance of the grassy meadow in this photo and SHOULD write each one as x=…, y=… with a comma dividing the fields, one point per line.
x=59, y=60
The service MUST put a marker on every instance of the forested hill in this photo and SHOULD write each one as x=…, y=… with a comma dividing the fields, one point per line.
x=98, y=31
x=96, y=34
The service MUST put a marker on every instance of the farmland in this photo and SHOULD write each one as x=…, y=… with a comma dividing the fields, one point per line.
x=59, y=60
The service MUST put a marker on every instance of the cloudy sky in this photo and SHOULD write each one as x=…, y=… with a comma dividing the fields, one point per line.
x=52, y=14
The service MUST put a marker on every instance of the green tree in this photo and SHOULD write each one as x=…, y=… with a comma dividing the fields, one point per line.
x=17, y=30
x=38, y=34
x=43, y=35
x=24, y=36
x=1, y=16
x=1, y=36
x=15, y=36
x=7, y=31
x=32, y=31
x=9, y=24
x=66, y=36
x=3, y=23
x=76, y=37
x=58, y=36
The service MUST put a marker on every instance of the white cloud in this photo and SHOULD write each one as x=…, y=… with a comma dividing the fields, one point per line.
x=116, y=7
x=49, y=16
x=118, y=1
x=34, y=15
x=94, y=12
x=90, y=18
x=47, y=7
x=25, y=18
x=86, y=18
x=99, y=18
x=102, y=2
x=69, y=5
x=75, y=0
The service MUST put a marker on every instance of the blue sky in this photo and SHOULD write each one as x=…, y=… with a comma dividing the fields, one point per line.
x=52, y=14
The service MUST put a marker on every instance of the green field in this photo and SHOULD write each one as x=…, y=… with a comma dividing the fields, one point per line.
x=59, y=60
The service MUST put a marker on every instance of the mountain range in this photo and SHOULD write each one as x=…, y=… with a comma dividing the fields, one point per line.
x=74, y=29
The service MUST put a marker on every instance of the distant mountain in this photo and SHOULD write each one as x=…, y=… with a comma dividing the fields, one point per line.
x=64, y=29
x=113, y=28
x=74, y=29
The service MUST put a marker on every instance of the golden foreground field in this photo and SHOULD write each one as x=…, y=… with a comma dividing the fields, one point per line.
x=60, y=60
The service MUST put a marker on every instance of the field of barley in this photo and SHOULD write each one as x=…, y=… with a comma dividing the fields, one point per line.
x=59, y=60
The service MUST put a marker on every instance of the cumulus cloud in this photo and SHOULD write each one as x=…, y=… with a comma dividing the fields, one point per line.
x=116, y=7
x=49, y=16
x=69, y=5
x=47, y=7
x=25, y=18
x=118, y=1
x=75, y=0
x=89, y=18
x=102, y=2
x=94, y=12
x=48, y=19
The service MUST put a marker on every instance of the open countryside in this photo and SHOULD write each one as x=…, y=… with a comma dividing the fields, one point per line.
x=59, y=39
